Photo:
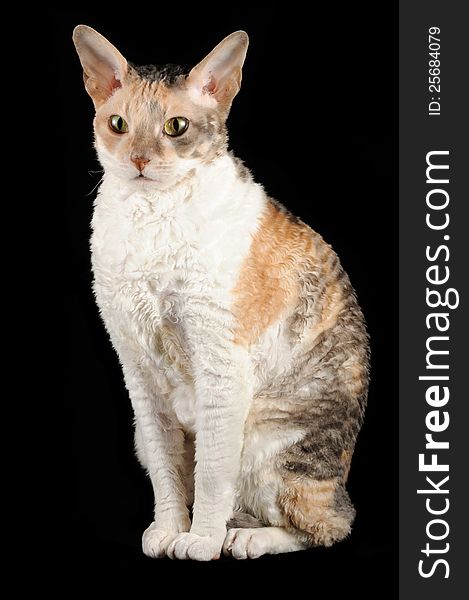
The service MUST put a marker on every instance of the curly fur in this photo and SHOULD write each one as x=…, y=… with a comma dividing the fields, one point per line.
x=241, y=341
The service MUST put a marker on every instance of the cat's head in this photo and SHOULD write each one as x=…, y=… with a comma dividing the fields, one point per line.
x=154, y=126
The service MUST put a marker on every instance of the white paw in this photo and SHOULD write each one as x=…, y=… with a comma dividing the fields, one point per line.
x=246, y=543
x=190, y=546
x=155, y=541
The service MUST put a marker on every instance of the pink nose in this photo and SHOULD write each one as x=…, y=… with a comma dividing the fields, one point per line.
x=139, y=162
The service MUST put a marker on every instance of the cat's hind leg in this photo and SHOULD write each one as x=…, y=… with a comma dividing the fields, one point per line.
x=315, y=513
x=319, y=512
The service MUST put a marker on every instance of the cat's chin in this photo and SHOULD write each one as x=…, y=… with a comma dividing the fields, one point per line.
x=148, y=181
x=152, y=186
x=164, y=184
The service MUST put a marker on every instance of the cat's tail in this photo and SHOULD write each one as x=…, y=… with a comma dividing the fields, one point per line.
x=243, y=520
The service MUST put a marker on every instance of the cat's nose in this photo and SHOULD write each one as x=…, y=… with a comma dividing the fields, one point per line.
x=139, y=161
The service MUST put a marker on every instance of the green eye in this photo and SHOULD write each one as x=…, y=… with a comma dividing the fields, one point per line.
x=176, y=126
x=117, y=124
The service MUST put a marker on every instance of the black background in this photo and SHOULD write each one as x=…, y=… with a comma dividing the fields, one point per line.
x=316, y=122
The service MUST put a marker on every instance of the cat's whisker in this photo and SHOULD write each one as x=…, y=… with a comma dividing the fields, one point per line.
x=99, y=183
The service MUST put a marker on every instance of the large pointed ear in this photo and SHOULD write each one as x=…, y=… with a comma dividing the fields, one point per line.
x=217, y=78
x=104, y=67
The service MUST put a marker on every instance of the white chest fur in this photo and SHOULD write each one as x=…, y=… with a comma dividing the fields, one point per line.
x=159, y=255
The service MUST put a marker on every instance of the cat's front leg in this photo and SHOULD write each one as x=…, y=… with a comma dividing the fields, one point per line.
x=223, y=386
x=163, y=447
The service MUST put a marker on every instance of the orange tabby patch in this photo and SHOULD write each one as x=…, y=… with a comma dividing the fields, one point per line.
x=268, y=282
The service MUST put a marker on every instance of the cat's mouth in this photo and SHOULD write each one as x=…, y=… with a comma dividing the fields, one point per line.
x=142, y=177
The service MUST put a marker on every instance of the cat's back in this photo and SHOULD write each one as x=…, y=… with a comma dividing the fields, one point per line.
x=290, y=274
x=295, y=308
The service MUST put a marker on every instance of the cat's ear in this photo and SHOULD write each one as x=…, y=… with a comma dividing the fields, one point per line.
x=104, y=67
x=218, y=77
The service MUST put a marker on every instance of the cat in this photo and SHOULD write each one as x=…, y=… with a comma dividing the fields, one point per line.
x=242, y=345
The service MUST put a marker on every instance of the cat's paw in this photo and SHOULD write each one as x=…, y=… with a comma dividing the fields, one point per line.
x=155, y=541
x=190, y=546
x=246, y=543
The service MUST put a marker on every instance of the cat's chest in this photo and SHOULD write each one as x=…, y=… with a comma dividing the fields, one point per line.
x=164, y=246
x=136, y=239
x=153, y=264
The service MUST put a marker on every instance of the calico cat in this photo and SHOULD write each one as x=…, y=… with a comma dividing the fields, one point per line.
x=242, y=345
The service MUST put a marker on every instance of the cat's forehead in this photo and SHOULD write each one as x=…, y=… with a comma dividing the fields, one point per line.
x=154, y=90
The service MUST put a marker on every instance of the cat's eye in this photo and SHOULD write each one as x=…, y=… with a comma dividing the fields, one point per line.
x=176, y=126
x=118, y=124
